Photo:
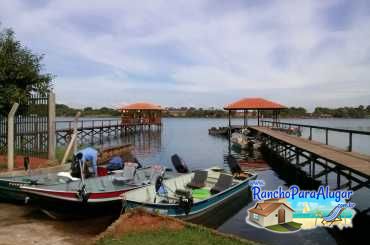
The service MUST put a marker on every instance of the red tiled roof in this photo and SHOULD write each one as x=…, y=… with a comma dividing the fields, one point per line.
x=253, y=103
x=141, y=106
x=265, y=209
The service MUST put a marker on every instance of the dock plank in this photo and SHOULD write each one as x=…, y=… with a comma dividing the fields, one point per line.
x=357, y=162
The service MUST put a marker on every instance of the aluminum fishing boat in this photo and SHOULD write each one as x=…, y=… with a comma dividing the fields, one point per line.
x=191, y=195
x=99, y=195
x=10, y=185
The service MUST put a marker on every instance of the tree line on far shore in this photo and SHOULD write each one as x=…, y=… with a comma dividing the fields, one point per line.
x=299, y=112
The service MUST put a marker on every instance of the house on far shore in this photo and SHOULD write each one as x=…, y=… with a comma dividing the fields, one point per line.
x=271, y=212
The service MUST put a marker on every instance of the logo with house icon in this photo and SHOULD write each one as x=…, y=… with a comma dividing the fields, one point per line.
x=275, y=214
x=288, y=215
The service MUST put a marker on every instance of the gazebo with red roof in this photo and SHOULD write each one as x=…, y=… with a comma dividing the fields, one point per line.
x=258, y=104
x=141, y=113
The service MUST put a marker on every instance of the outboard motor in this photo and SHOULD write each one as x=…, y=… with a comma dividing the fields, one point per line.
x=185, y=201
x=233, y=165
x=179, y=164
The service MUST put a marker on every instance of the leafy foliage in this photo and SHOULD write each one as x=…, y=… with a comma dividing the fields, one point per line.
x=343, y=112
x=65, y=111
x=20, y=72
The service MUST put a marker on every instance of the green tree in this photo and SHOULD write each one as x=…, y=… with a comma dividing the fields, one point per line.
x=20, y=72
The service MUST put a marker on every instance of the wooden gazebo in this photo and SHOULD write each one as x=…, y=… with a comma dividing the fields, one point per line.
x=258, y=104
x=142, y=113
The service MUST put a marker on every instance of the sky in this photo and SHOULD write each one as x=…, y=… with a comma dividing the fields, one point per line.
x=202, y=53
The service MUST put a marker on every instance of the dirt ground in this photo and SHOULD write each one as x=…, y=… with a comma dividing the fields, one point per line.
x=35, y=162
x=20, y=224
x=140, y=221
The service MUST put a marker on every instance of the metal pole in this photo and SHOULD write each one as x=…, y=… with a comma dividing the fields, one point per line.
x=51, y=127
x=11, y=136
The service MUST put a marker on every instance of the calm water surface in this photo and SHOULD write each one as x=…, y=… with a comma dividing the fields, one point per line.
x=189, y=138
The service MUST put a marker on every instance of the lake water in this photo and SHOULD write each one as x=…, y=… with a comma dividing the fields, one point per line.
x=189, y=138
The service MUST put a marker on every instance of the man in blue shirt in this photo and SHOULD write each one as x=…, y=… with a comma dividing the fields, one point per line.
x=89, y=154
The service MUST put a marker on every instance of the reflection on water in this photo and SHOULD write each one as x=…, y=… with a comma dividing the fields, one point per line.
x=189, y=138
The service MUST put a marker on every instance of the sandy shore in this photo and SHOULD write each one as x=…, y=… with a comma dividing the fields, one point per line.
x=310, y=223
x=20, y=224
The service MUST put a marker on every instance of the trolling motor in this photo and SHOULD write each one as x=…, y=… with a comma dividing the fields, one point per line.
x=83, y=195
x=185, y=201
x=77, y=168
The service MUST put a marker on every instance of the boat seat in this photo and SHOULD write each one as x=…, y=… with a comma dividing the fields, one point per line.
x=223, y=182
x=140, y=178
x=199, y=179
x=128, y=174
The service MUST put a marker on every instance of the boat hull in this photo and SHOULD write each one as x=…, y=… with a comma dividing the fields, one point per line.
x=10, y=191
x=69, y=202
x=199, y=209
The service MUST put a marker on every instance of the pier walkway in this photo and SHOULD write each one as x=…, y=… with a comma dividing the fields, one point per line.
x=356, y=162
x=91, y=130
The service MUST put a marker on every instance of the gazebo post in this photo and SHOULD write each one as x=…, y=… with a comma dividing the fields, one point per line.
x=258, y=117
x=247, y=117
x=244, y=117
x=229, y=122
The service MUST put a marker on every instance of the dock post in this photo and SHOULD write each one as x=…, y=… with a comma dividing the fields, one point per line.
x=313, y=168
x=338, y=178
x=297, y=156
x=326, y=172
x=350, y=142
x=10, y=131
x=75, y=132
x=51, y=127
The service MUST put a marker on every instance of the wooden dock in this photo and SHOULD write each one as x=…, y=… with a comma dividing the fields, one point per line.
x=358, y=163
x=95, y=130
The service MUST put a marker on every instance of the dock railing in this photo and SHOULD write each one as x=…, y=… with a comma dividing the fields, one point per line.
x=285, y=125
x=87, y=123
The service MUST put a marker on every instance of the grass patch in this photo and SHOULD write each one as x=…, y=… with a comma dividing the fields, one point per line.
x=277, y=228
x=295, y=225
x=185, y=236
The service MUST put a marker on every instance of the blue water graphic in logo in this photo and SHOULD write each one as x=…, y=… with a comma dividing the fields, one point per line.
x=315, y=208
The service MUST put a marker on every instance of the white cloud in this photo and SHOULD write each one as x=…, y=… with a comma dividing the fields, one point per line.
x=200, y=46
